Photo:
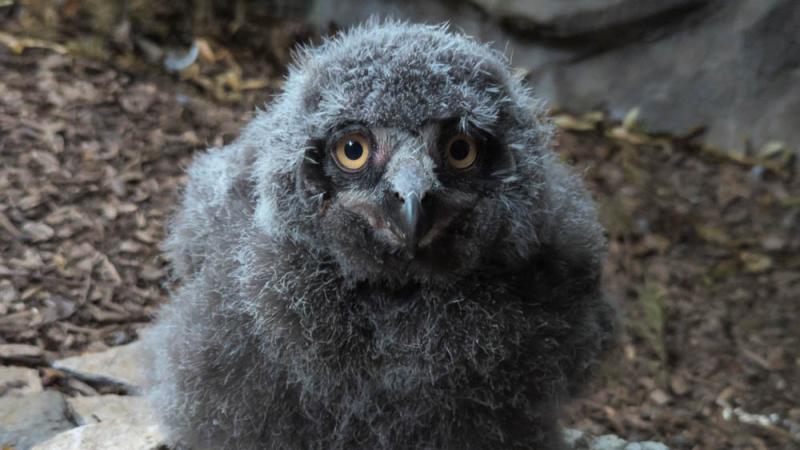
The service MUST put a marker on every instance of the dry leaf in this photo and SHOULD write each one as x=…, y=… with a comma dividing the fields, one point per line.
x=756, y=262
x=573, y=123
x=20, y=44
x=713, y=234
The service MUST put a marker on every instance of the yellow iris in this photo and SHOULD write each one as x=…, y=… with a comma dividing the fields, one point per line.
x=352, y=152
x=462, y=151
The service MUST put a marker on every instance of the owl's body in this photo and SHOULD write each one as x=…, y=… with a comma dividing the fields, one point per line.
x=389, y=257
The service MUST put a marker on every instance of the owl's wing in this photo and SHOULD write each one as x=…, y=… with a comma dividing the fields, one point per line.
x=569, y=272
x=216, y=204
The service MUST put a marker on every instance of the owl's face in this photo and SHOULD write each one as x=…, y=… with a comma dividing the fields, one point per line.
x=416, y=154
x=414, y=198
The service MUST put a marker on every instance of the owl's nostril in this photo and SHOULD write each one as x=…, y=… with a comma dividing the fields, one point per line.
x=402, y=199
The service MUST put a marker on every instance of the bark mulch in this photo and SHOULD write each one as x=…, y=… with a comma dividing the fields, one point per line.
x=703, y=259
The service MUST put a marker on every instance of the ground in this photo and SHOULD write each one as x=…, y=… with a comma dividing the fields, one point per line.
x=703, y=246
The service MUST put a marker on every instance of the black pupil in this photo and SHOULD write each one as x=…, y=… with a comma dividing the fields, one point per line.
x=353, y=150
x=459, y=149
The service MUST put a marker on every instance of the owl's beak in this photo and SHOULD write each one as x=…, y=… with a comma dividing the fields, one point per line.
x=409, y=181
x=404, y=208
x=408, y=223
x=405, y=216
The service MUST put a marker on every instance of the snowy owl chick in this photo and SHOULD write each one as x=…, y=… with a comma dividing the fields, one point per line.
x=390, y=256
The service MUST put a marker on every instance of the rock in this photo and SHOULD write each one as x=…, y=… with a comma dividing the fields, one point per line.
x=660, y=397
x=648, y=445
x=607, y=442
x=120, y=366
x=126, y=409
x=553, y=18
x=574, y=438
x=77, y=386
x=26, y=420
x=579, y=440
x=730, y=65
x=102, y=436
x=21, y=353
x=38, y=232
x=8, y=293
x=19, y=380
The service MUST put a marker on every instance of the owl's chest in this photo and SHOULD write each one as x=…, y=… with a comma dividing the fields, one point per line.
x=426, y=328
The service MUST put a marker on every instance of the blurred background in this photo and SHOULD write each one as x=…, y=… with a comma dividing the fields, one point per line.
x=682, y=115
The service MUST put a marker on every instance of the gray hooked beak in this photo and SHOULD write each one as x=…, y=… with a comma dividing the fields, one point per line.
x=409, y=182
x=409, y=219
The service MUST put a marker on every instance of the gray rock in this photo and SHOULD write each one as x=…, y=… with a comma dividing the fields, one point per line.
x=102, y=436
x=574, y=438
x=127, y=409
x=38, y=232
x=26, y=420
x=557, y=18
x=19, y=380
x=579, y=440
x=647, y=445
x=733, y=65
x=121, y=366
x=21, y=353
x=8, y=294
x=607, y=442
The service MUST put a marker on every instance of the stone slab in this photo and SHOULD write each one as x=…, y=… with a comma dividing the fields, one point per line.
x=127, y=409
x=26, y=420
x=121, y=366
x=102, y=436
x=19, y=380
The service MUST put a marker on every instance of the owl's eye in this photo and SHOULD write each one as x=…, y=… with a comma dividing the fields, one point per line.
x=352, y=152
x=462, y=151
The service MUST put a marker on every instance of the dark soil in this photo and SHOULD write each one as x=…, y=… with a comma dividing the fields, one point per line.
x=703, y=260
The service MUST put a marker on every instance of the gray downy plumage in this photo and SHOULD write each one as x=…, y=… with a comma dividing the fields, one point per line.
x=302, y=322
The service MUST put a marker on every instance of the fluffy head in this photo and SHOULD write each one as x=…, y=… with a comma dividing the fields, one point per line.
x=408, y=304
x=408, y=89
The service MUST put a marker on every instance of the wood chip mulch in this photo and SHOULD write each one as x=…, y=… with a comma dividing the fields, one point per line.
x=704, y=251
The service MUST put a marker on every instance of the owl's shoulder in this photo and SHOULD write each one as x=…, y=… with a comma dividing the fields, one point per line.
x=215, y=202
